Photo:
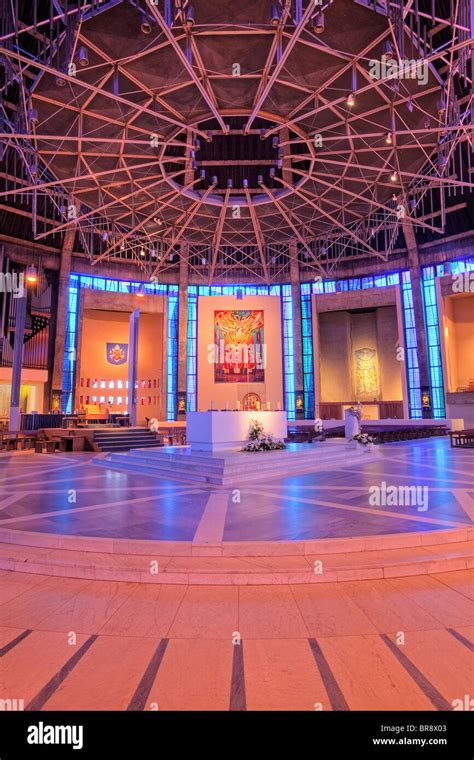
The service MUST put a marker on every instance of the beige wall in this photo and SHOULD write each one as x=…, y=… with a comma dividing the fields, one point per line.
x=272, y=389
x=341, y=334
x=459, y=340
x=100, y=327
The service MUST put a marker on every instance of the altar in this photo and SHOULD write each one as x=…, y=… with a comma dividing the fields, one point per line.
x=224, y=431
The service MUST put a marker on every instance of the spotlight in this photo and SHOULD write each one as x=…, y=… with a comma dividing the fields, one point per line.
x=246, y=183
x=153, y=253
x=389, y=138
x=388, y=50
x=279, y=163
x=318, y=23
x=272, y=172
x=209, y=135
x=31, y=274
x=229, y=184
x=393, y=177
x=275, y=16
x=410, y=104
x=203, y=262
x=142, y=252
x=350, y=100
x=83, y=56
x=260, y=179
x=262, y=133
x=146, y=27
x=33, y=117
x=275, y=141
x=213, y=180
x=140, y=292
x=60, y=81
x=189, y=19
x=104, y=236
x=426, y=123
x=202, y=173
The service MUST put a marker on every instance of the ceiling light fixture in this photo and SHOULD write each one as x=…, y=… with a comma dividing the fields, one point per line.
x=83, y=56
x=389, y=138
x=189, y=18
x=141, y=291
x=276, y=18
x=393, y=177
x=146, y=27
x=31, y=274
x=350, y=100
x=318, y=23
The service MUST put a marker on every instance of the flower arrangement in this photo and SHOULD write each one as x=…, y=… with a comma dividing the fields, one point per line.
x=153, y=425
x=258, y=440
x=363, y=438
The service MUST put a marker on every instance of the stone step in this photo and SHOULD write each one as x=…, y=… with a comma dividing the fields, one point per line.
x=238, y=570
x=203, y=468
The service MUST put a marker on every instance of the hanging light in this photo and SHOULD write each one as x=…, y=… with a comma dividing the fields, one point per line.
x=393, y=176
x=318, y=23
x=142, y=252
x=141, y=291
x=389, y=138
x=275, y=16
x=83, y=56
x=189, y=18
x=350, y=100
x=388, y=50
x=31, y=274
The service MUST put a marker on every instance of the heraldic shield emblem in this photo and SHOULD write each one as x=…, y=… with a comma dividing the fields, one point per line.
x=117, y=353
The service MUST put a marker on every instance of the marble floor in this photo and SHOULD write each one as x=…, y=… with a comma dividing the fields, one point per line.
x=399, y=644
x=381, y=643
x=68, y=495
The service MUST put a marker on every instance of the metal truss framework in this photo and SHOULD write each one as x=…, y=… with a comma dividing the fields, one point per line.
x=121, y=131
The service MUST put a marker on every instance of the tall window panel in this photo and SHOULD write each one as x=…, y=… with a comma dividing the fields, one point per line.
x=70, y=347
x=288, y=351
x=191, y=360
x=307, y=338
x=432, y=337
x=411, y=346
x=172, y=359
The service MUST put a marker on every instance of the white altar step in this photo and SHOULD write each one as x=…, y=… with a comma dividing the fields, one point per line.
x=221, y=469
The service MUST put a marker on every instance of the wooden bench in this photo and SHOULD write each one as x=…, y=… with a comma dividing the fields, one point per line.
x=462, y=439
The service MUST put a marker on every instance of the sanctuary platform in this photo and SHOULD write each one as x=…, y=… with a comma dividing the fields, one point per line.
x=227, y=467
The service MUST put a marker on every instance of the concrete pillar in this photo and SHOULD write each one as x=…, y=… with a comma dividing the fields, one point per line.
x=183, y=328
x=20, y=319
x=416, y=284
x=61, y=311
x=297, y=336
x=133, y=366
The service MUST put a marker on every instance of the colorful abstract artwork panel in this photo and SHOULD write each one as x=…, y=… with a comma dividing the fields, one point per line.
x=239, y=348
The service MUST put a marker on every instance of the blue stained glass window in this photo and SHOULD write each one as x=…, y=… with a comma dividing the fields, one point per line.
x=411, y=348
x=191, y=360
x=433, y=341
x=288, y=351
x=172, y=358
x=307, y=340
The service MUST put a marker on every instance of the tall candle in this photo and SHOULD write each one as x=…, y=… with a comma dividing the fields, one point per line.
x=268, y=406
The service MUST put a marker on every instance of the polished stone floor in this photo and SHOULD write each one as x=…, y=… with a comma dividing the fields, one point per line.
x=67, y=494
x=398, y=644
